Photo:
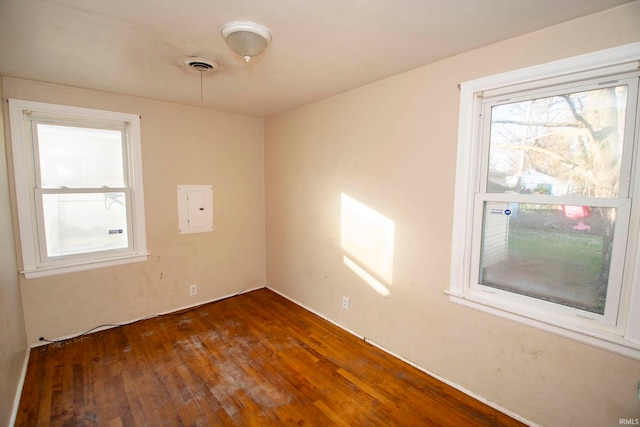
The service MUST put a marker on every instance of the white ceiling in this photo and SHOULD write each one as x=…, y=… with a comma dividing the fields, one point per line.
x=320, y=47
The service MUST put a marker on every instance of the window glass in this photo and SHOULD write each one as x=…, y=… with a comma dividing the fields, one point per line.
x=553, y=253
x=77, y=223
x=562, y=145
x=76, y=157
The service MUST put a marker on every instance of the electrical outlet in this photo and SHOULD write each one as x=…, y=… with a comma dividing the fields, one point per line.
x=193, y=290
x=345, y=303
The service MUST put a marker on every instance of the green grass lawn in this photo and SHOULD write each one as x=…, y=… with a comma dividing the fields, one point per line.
x=578, y=251
x=552, y=265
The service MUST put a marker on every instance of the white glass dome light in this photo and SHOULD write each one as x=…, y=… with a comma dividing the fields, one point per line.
x=247, y=39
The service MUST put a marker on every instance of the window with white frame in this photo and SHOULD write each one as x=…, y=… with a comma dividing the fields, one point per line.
x=78, y=177
x=545, y=224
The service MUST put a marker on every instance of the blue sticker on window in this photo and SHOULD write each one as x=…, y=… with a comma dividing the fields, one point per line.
x=507, y=211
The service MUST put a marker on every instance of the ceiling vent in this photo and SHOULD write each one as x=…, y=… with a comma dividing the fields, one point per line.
x=202, y=65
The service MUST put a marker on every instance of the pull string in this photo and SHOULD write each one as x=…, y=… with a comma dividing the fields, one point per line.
x=203, y=65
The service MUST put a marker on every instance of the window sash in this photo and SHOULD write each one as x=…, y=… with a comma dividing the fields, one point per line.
x=610, y=318
x=39, y=118
x=45, y=259
x=485, y=104
x=89, y=123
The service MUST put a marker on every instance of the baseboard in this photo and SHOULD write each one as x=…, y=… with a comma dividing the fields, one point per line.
x=16, y=400
x=420, y=368
x=151, y=316
x=457, y=386
x=351, y=331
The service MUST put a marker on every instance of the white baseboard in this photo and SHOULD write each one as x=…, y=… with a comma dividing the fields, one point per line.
x=151, y=316
x=420, y=368
x=16, y=399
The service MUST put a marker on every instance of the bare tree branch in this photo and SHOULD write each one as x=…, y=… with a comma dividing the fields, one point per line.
x=579, y=116
x=581, y=170
x=544, y=124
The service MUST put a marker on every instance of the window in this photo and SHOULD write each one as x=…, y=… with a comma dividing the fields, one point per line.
x=545, y=228
x=78, y=175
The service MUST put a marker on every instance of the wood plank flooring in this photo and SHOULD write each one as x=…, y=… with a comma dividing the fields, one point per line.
x=252, y=360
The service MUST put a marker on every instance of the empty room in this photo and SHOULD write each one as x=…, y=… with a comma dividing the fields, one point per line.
x=351, y=213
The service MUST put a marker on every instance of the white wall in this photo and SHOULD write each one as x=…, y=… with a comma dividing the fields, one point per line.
x=13, y=338
x=391, y=146
x=180, y=145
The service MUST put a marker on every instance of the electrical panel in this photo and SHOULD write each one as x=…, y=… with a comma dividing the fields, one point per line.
x=195, y=208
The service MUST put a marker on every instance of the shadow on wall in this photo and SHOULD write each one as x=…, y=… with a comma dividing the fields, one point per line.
x=367, y=237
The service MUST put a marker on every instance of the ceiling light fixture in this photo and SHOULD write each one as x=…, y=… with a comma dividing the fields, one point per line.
x=247, y=39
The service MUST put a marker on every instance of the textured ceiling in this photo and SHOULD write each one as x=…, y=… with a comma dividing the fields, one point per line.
x=319, y=48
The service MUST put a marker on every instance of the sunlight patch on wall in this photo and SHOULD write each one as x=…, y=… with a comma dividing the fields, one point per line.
x=368, y=238
x=368, y=278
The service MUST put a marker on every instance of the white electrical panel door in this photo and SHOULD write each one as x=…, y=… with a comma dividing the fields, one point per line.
x=195, y=208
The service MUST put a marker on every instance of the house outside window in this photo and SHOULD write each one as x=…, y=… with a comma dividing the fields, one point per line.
x=78, y=175
x=545, y=228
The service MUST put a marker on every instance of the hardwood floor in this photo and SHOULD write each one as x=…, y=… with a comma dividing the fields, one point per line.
x=252, y=360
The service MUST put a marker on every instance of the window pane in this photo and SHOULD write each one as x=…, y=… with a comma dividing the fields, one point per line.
x=559, y=145
x=84, y=222
x=553, y=253
x=75, y=157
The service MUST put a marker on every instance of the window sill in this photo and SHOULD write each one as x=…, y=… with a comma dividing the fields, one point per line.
x=38, y=272
x=613, y=343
